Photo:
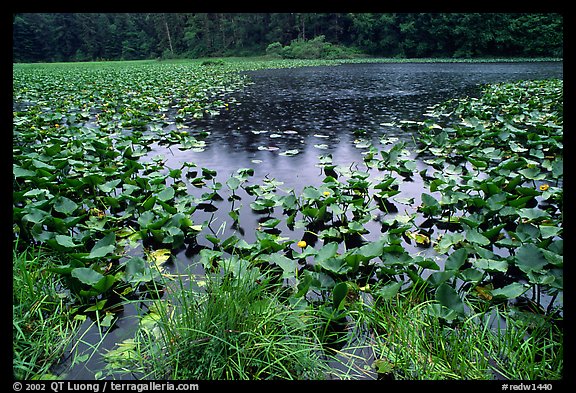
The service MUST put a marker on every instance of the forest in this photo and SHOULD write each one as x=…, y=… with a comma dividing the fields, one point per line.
x=64, y=37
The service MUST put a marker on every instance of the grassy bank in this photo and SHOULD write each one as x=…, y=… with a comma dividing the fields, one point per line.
x=42, y=322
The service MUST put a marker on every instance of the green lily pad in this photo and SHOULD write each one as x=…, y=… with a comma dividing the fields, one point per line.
x=104, y=246
x=65, y=205
x=166, y=194
x=530, y=258
x=510, y=291
x=287, y=265
x=87, y=275
x=449, y=298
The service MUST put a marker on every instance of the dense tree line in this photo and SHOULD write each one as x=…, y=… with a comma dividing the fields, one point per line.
x=47, y=37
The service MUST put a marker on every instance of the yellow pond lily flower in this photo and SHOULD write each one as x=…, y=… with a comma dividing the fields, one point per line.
x=544, y=187
x=301, y=244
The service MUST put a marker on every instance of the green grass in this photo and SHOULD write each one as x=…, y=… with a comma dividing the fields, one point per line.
x=224, y=328
x=239, y=328
x=415, y=344
x=41, y=324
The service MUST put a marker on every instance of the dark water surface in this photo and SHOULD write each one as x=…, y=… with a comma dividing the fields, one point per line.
x=316, y=111
x=299, y=108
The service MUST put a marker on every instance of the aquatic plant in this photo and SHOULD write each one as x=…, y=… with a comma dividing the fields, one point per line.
x=88, y=190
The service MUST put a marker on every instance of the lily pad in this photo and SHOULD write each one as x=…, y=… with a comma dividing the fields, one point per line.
x=87, y=275
x=104, y=246
x=290, y=153
x=449, y=298
x=530, y=258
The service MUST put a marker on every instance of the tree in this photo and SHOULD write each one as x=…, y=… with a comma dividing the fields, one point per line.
x=115, y=36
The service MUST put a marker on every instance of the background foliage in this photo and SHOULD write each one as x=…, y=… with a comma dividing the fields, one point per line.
x=53, y=37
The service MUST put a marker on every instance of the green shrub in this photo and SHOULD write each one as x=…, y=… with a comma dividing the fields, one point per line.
x=316, y=48
x=274, y=49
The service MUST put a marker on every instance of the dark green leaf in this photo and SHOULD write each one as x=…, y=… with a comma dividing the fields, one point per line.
x=388, y=291
x=530, y=258
x=448, y=297
x=104, y=246
x=166, y=194
x=65, y=241
x=339, y=293
x=87, y=275
x=64, y=205
x=456, y=259
x=510, y=291
x=473, y=236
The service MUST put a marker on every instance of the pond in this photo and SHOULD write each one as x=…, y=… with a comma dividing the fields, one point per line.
x=287, y=118
x=303, y=108
x=282, y=123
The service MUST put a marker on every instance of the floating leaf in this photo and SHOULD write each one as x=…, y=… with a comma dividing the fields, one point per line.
x=103, y=246
x=98, y=306
x=438, y=278
x=335, y=265
x=383, y=366
x=65, y=241
x=35, y=216
x=430, y=205
x=448, y=297
x=530, y=258
x=166, y=194
x=440, y=311
x=388, y=291
x=456, y=259
x=420, y=238
x=65, y=205
x=471, y=274
x=287, y=265
x=271, y=223
x=159, y=256
x=327, y=251
x=510, y=291
x=110, y=185
x=233, y=183
x=86, y=275
x=104, y=284
x=533, y=214
x=473, y=236
x=268, y=148
x=371, y=250
x=491, y=265
x=290, y=153
x=21, y=172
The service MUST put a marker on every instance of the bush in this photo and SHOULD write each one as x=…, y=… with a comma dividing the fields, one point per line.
x=211, y=62
x=274, y=49
x=316, y=48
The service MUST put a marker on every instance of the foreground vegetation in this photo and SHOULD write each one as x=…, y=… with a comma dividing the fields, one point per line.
x=105, y=221
x=42, y=324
